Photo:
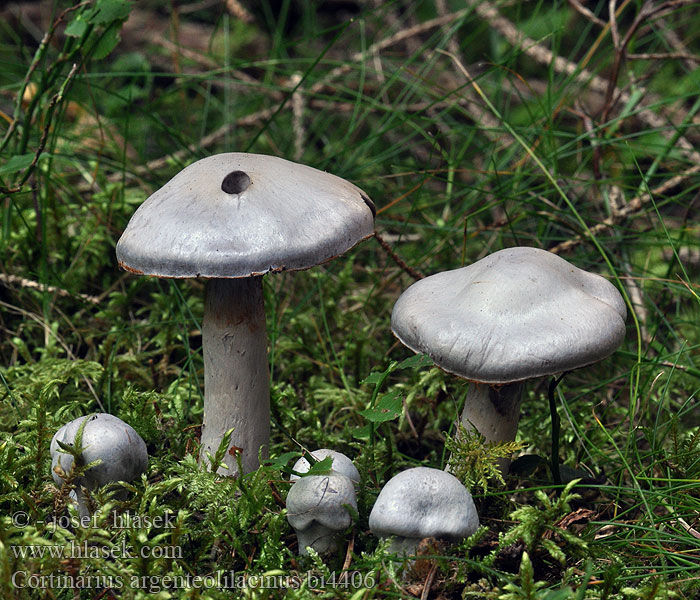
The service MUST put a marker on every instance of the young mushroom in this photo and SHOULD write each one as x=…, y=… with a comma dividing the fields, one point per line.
x=423, y=502
x=340, y=464
x=231, y=218
x=515, y=315
x=317, y=509
x=119, y=451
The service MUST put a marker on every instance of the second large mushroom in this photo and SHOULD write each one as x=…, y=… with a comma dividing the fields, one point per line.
x=514, y=315
x=231, y=218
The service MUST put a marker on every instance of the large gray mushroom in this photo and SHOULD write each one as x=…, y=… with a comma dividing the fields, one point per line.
x=121, y=453
x=517, y=314
x=231, y=218
x=340, y=464
x=317, y=510
x=423, y=502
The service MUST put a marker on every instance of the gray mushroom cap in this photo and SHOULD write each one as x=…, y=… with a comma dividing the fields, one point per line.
x=321, y=498
x=107, y=438
x=341, y=464
x=424, y=502
x=516, y=314
x=317, y=510
x=239, y=214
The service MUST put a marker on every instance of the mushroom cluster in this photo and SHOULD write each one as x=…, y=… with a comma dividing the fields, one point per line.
x=231, y=218
x=119, y=453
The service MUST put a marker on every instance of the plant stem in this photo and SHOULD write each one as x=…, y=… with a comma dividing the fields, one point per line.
x=554, y=461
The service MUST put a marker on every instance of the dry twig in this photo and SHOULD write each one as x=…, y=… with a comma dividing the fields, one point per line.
x=632, y=207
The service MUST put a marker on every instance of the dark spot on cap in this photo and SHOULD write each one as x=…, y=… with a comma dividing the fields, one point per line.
x=235, y=182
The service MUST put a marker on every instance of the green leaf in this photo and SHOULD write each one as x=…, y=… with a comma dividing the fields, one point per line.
x=388, y=408
x=280, y=461
x=416, y=362
x=19, y=162
x=564, y=593
x=320, y=467
x=108, y=11
x=374, y=377
x=108, y=41
x=77, y=27
x=362, y=433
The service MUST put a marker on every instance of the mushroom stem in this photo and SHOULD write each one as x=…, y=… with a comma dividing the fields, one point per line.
x=320, y=537
x=494, y=411
x=403, y=546
x=236, y=372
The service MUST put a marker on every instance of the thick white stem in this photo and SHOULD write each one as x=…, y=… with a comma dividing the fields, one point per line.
x=236, y=372
x=494, y=411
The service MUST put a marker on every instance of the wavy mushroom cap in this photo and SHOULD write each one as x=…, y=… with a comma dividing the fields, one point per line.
x=341, y=464
x=424, y=502
x=121, y=451
x=516, y=314
x=239, y=214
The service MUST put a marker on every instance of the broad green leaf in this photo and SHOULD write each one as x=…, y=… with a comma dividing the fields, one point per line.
x=107, y=42
x=374, y=377
x=280, y=461
x=19, y=162
x=321, y=467
x=77, y=27
x=388, y=408
x=415, y=362
x=362, y=433
x=108, y=11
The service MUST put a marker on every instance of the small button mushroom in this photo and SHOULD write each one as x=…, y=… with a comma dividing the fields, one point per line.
x=317, y=509
x=423, y=502
x=341, y=464
x=231, y=218
x=121, y=453
x=517, y=314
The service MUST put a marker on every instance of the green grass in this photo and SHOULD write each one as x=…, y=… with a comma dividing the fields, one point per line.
x=468, y=142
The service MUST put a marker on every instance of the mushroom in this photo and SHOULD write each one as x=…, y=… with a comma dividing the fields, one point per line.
x=231, y=218
x=515, y=315
x=317, y=509
x=121, y=453
x=423, y=502
x=340, y=464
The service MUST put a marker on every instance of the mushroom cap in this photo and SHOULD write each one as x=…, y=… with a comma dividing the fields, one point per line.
x=107, y=438
x=341, y=464
x=516, y=314
x=424, y=502
x=275, y=215
x=321, y=499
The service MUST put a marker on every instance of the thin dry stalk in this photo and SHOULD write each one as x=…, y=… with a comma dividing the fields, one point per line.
x=51, y=289
x=239, y=11
x=581, y=9
x=297, y=116
x=633, y=206
x=397, y=259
